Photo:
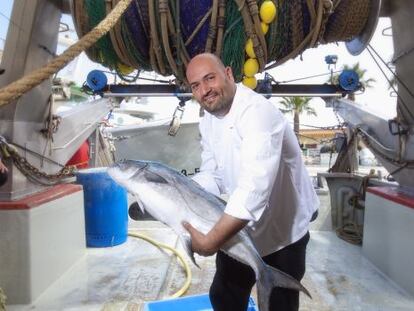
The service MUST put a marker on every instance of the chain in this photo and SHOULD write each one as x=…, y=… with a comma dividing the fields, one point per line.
x=30, y=171
x=340, y=124
x=110, y=139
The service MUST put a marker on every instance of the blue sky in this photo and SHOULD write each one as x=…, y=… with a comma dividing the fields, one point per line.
x=313, y=62
x=5, y=9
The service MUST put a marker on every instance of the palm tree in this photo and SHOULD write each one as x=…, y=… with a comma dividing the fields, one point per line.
x=297, y=106
x=366, y=83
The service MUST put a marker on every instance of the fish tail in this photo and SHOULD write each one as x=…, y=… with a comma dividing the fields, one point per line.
x=271, y=278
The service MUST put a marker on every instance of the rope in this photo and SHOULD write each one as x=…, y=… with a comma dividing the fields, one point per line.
x=251, y=30
x=350, y=232
x=156, y=47
x=164, y=10
x=260, y=48
x=197, y=29
x=119, y=45
x=23, y=85
x=148, y=37
x=329, y=21
x=221, y=23
x=213, y=27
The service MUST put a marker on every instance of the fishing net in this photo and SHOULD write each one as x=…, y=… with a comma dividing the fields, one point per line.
x=348, y=19
x=163, y=35
x=234, y=40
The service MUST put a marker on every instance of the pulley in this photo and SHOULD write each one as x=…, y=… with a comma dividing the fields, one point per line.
x=96, y=80
x=349, y=80
x=264, y=86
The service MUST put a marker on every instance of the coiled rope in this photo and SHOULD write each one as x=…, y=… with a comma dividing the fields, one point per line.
x=162, y=35
x=21, y=86
x=170, y=32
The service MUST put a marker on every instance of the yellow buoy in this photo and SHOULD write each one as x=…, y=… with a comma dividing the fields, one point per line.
x=250, y=82
x=265, y=27
x=267, y=12
x=124, y=69
x=249, y=49
x=251, y=67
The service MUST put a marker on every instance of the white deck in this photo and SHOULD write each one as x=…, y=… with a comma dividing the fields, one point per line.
x=123, y=277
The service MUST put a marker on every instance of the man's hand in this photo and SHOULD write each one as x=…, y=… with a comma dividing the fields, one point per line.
x=199, y=241
x=3, y=168
x=208, y=244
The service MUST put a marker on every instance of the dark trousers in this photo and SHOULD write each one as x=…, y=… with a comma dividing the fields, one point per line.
x=3, y=178
x=234, y=280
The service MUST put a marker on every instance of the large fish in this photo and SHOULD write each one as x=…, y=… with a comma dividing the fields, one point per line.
x=172, y=198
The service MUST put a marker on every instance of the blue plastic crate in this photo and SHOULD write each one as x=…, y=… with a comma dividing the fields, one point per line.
x=188, y=303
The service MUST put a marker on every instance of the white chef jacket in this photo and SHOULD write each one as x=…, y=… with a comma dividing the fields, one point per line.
x=253, y=155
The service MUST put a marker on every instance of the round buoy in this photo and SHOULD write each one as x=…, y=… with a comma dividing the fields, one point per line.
x=251, y=67
x=249, y=49
x=124, y=69
x=250, y=82
x=265, y=27
x=267, y=12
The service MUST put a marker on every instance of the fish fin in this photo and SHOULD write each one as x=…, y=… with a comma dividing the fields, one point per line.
x=186, y=242
x=152, y=177
x=141, y=206
x=271, y=278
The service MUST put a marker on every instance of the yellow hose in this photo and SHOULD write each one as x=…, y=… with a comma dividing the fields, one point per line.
x=186, y=285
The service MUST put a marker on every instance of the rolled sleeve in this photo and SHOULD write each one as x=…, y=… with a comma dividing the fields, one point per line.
x=207, y=178
x=262, y=132
x=208, y=182
x=236, y=205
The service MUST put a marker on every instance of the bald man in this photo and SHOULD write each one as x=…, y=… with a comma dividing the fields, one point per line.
x=251, y=153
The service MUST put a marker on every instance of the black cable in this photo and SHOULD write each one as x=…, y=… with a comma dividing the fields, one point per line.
x=138, y=78
x=332, y=127
x=9, y=19
x=393, y=73
x=396, y=171
x=385, y=75
x=308, y=137
x=309, y=77
x=154, y=80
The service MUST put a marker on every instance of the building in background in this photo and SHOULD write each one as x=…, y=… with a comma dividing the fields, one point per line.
x=318, y=145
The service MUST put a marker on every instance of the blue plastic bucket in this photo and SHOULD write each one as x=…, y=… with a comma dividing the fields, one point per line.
x=193, y=303
x=106, y=210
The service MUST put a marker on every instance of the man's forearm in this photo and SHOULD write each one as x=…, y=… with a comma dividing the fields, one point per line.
x=208, y=244
x=224, y=230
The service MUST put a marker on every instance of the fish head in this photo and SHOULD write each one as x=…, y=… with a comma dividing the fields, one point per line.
x=124, y=171
x=149, y=183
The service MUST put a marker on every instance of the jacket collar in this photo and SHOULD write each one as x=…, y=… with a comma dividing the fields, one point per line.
x=237, y=104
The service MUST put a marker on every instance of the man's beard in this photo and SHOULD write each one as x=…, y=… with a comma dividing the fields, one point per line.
x=221, y=107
